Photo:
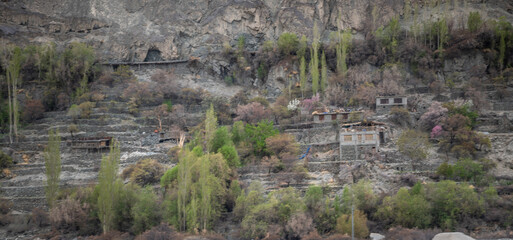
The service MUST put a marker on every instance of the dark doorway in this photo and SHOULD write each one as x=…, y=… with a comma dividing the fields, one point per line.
x=153, y=55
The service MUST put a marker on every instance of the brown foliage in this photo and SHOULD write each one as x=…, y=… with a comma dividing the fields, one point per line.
x=143, y=92
x=400, y=233
x=144, y=172
x=282, y=145
x=39, y=217
x=160, y=232
x=252, y=113
x=165, y=82
x=479, y=101
x=69, y=214
x=299, y=225
x=33, y=110
x=366, y=94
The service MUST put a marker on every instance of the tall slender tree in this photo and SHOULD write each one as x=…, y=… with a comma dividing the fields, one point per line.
x=52, y=155
x=107, y=179
x=13, y=80
x=302, y=75
x=210, y=127
x=324, y=72
x=314, y=62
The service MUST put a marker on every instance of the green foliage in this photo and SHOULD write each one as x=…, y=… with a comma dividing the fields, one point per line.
x=464, y=110
x=474, y=21
x=145, y=212
x=302, y=75
x=5, y=160
x=407, y=209
x=303, y=44
x=314, y=59
x=453, y=202
x=228, y=80
x=257, y=134
x=344, y=41
x=52, y=156
x=324, y=73
x=144, y=172
x=238, y=132
x=360, y=224
x=230, y=154
x=288, y=43
x=169, y=105
x=446, y=170
x=220, y=139
x=466, y=169
x=169, y=177
x=262, y=71
x=314, y=199
x=107, y=179
x=504, y=30
x=86, y=109
x=210, y=128
x=389, y=36
x=361, y=194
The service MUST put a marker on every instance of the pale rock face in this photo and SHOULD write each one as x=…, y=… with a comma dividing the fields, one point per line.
x=452, y=236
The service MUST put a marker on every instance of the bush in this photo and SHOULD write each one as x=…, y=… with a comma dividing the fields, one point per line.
x=39, y=217
x=5, y=160
x=400, y=116
x=414, y=144
x=230, y=154
x=257, y=134
x=145, y=212
x=406, y=209
x=144, y=172
x=74, y=112
x=252, y=113
x=69, y=215
x=221, y=138
x=299, y=225
x=474, y=21
x=287, y=43
x=86, y=109
x=169, y=177
x=160, y=232
x=360, y=224
x=466, y=169
x=445, y=170
x=33, y=110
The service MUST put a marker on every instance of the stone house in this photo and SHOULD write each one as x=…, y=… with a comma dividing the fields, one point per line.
x=384, y=104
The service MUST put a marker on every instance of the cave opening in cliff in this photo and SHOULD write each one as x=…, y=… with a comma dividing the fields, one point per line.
x=153, y=55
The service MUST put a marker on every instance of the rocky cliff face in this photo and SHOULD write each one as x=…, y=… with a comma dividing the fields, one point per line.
x=127, y=29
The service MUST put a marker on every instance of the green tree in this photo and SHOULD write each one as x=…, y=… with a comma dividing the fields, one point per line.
x=210, y=128
x=474, y=21
x=257, y=134
x=52, y=156
x=314, y=61
x=288, y=43
x=324, y=72
x=237, y=132
x=303, y=44
x=360, y=224
x=344, y=41
x=230, y=154
x=13, y=81
x=145, y=212
x=107, y=179
x=302, y=75
x=406, y=209
x=221, y=138
x=414, y=144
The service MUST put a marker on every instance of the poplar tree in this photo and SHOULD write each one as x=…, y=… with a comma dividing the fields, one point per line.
x=210, y=127
x=107, y=181
x=303, y=44
x=314, y=62
x=302, y=75
x=324, y=72
x=341, y=50
x=52, y=155
x=184, y=184
x=13, y=80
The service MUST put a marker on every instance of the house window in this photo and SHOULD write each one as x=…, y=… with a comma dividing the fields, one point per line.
x=345, y=116
x=321, y=117
x=369, y=137
x=334, y=117
x=398, y=100
x=383, y=101
x=348, y=138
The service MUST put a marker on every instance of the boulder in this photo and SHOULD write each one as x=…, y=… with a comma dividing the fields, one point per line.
x=452, y=236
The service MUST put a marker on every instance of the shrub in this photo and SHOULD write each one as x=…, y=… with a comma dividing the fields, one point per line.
x=230, y=154
x=435, y=115
x=299, y=225
x=282, y=145
x=360, y=224
x=453, y=202
x=74, y=112
x=33, y=110
x=257, y=134
x=145, y=212
x=474, y=21
x=69, y=215
x=446, y=170
x=414, y=144
x=406, y=209
x=170, y=176
x=86, y=109
x=144, y=172
x=160, y=232
x=5, y=160
x=220, y=139
x=287, y=43
x=400, y=116
x=238, y=132
x=39, y=217
x=252, y=113
x=466, y=169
